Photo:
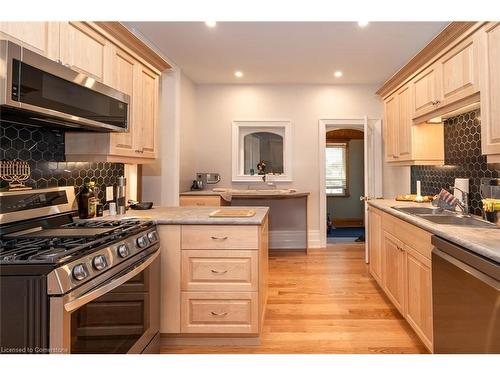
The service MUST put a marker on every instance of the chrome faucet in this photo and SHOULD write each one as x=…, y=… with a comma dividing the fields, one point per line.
x=464, y=203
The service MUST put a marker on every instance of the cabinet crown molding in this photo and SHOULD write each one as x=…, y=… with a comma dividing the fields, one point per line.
x=436, y=46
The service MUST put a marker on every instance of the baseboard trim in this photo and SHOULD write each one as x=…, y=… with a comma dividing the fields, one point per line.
x=168, y=340
x=314, y=240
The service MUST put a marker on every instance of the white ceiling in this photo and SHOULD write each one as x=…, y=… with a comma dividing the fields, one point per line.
x=289, y=52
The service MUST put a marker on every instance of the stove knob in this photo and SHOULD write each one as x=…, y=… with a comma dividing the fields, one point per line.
x=80, y=272
x=123, y=251
x=99, y=262
x=142, y=241
x=153, y=237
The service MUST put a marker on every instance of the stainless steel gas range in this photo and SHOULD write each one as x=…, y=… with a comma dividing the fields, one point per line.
x=75, y=287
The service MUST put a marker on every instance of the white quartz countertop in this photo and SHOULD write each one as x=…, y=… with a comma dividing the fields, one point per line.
x=190, y=215
x=483, y=241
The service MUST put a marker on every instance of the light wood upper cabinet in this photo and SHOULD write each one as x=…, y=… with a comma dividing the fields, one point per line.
x=375, y=243
x=40, y=37
x=122, y=76
x=83, y=49
x=459, y=77
x=391, y=114
x=146, y=112
x=426, y=91
x=393, y=269
x=404, y=128
x=490, y=91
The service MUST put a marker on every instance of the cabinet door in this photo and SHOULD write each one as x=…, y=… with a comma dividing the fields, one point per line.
x=459, y=71
x=146, y=109
x=419, y=295
x=122, y=78
x=40, y=37
x=393, y=270
x=405, y=123
x=426, y=91
x=391, y=113
x=375, y=243
x=490, y=90
x=83, y=49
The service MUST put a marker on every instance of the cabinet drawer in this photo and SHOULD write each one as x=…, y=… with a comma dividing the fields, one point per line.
x=209, y=201
x=219, y=270
x=221, y=312
x=214, y=237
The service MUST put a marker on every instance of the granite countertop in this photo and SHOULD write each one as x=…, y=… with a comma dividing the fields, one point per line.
x=246, y=194
x=483, y=241
x=190, y=215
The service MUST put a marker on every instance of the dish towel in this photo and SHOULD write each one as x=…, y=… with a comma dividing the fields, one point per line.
x=446, y=200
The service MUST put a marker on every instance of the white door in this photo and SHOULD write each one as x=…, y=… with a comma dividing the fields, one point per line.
x=373, y=167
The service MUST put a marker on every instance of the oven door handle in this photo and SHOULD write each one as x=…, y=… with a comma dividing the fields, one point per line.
x=109, y=285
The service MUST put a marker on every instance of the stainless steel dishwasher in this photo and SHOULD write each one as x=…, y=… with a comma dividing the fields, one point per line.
x=466, y=300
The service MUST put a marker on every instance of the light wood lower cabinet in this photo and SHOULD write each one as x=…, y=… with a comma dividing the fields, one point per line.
x=418, y=293
x=393, y=270
x=404, y=273
x=200, y=200
x=214, y=281
x=219, y=312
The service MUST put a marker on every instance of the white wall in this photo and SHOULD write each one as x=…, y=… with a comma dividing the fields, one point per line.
x=218, y=105
x=189, y=140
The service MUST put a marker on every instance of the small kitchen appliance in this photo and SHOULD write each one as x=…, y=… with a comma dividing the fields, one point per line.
x=205, y=179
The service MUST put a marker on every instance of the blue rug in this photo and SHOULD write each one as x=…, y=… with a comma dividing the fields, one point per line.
x=347, y=232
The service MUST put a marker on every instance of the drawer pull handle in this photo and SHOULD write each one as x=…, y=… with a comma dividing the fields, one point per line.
x=219, y=272
x=218, y=314
x=200, y=203
x=219, y=238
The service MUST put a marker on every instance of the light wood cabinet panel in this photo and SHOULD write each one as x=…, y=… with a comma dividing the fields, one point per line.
x=40, y=37
x=219, y=312
x=391, y=114
x=459, y=71
x=123, y=78
x=393, y=270
x=220, y=270
x=146, y=112
x=199, y=200
x=404, y=128
x=375, y=243
x=490, y=91
x=213, y=237
x=426, y=91
x=84, y=49
x=419, y=295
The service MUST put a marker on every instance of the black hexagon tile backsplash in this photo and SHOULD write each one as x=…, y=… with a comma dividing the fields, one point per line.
x=43, y=149
x=463, y=159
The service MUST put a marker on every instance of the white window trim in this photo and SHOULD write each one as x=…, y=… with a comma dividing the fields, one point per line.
x=240, y=128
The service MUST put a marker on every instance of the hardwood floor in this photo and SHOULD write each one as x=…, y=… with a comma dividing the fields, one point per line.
x=325, y=302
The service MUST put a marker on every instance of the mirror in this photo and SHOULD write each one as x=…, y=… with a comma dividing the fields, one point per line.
x=260, y=148
x=263, y=153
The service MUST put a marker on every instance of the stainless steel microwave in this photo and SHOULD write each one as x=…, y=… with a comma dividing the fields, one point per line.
x=35, y=90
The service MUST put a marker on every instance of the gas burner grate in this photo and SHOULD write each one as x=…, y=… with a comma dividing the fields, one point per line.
x=59, y=249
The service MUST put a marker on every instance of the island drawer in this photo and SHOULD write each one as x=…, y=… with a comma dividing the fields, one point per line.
x=220, y=270
x=207, y=200
x=214, y=237
x=219, y=312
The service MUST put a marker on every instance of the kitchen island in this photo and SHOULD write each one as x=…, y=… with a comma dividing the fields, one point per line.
x=213, y=273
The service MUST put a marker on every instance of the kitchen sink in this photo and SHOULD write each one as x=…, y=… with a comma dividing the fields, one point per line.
x=441, y=216
x=467, y=221
x=423, y=210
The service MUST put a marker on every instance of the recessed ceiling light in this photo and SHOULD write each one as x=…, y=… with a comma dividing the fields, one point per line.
x=210, y=24
x=338, y=74
x=363, y=23
x=238, y=74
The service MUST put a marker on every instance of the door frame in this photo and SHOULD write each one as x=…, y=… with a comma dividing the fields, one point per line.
x=372, y=135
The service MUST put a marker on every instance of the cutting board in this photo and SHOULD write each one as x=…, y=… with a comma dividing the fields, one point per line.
x=232, y=213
